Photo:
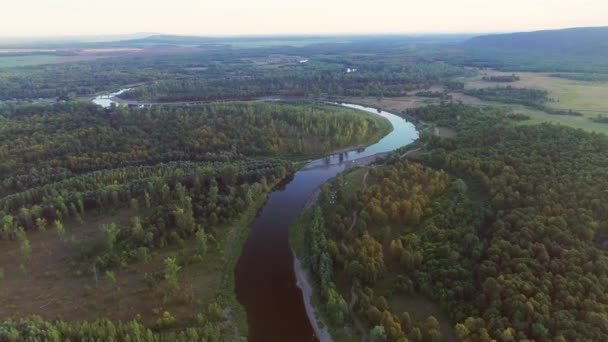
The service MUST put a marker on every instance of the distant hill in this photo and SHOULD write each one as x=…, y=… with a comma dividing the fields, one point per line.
x=582, y=40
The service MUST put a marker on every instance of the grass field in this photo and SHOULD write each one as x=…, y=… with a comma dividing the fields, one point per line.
x=10, y=62
x=589, y=98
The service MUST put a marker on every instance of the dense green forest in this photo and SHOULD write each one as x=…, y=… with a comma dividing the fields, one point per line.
x=504, y=226
x=376, y=76
x=500, y=227
x=39, y=143
x=182, y=174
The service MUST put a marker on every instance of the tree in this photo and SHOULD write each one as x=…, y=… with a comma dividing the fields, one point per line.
x=111, y=235
x=41, y=224
x=171, y=274
x=60, y=229
x=24, y=244
x=201, y=241
x=377, y=334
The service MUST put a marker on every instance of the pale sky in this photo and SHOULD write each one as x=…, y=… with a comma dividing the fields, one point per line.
x=248, y=17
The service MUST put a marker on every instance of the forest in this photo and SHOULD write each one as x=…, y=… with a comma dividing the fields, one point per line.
x=127, y=223
x=185, y=178
x=382, y=69
x=327, y=76
x=40, y=143
x=503, y=226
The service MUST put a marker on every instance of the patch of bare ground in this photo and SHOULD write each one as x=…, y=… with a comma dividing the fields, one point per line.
x=55, y=284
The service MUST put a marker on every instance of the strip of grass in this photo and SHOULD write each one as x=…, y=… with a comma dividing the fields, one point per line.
x=11, y=62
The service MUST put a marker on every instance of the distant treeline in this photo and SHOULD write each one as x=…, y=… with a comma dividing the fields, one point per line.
x=224, y=73
x=583, y=77
x=533, y=98
x=501, y=78
x=40, y=144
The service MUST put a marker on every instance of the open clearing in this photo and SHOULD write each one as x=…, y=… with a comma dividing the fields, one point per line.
x=52, y=282
x=589, y=98
x=17, y=61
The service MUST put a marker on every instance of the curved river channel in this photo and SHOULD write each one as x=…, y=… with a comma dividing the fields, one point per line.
x=266, y=282
x=265, y=278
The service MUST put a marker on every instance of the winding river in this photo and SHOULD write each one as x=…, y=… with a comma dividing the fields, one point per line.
x=266, y=283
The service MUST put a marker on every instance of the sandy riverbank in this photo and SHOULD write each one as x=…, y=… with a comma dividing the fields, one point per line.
x=304, y=283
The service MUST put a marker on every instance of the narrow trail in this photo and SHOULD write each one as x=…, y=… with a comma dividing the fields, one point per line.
x=355, y=213
x=365, y=180
x=410, y=152
x=358, y=324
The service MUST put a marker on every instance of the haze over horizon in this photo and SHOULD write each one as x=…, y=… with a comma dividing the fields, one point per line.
x=271, y=17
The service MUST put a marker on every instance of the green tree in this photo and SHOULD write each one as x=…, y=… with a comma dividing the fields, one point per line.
x=377, y=334
x=24, y=244
x=60, y=229
x=201, y=241
x=171, y=274
x=111, y=235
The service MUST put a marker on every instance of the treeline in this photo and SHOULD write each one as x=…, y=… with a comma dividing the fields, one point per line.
x=211, y=326
x=600, y=119
x=508, y=94
x=373, y=77
x=40, y=144
x=543, y=269
x=534, y=98
x=501, y=78
x=103, y=191
x=591, y=77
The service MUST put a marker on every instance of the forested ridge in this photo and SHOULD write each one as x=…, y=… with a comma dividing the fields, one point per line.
x=505, y=227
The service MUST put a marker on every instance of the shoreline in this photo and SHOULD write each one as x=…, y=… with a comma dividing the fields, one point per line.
x=304, y=283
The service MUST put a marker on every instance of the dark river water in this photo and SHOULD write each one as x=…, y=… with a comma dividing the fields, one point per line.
x=265, y=278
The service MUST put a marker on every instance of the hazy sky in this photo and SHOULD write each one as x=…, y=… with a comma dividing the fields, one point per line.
x=229, y=17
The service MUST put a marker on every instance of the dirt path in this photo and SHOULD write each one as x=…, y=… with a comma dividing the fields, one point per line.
x=355, y=213
x=365, y=180
x=410, y=152
x=358, y=324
